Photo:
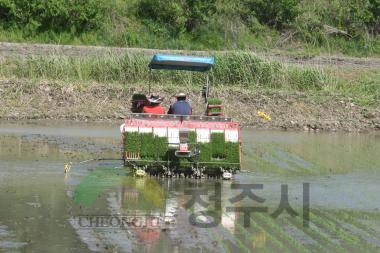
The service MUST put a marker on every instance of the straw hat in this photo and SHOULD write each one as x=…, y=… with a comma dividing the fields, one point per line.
x=181, y=95
x=155, y=99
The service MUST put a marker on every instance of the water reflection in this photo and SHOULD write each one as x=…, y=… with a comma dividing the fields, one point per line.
x=38, y=213
x=167, y=226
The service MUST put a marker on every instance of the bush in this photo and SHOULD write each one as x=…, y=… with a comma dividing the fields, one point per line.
x=195, y=24
x=352, y=20
x=167, y=13
x=275, y=13
x=178, y=16
x=75, y=16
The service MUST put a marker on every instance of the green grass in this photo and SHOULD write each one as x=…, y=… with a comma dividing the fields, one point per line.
x=117, y=23
x=367, y=86
x=240, y=69
x=217, y=25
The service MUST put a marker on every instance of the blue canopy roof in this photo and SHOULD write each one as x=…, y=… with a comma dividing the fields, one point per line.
x=180, y=62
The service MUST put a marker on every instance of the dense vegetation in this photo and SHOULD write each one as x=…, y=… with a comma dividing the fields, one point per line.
x=237, y=68
x=347, y=26
x=243, y=70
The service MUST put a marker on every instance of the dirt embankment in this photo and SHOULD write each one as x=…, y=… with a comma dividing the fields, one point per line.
x=26, y=99
x=23, y=99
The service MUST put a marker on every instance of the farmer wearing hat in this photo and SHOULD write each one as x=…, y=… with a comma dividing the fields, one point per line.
x=154, y=106
x=181, y=106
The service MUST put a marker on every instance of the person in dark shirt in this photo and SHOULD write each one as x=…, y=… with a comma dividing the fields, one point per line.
x=181, y=106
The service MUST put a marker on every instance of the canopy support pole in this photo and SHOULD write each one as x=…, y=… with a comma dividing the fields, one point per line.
x=150, y=77
x=205, y=92
x=207, y=82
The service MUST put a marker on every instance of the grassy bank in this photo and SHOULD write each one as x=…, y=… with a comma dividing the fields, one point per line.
x=237, y=69
x=296, y=96
x=302, y=26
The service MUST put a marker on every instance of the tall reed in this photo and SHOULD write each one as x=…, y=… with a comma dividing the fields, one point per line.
x=234, y=69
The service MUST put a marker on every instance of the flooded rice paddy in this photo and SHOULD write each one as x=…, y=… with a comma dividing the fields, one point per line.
x=327, y=184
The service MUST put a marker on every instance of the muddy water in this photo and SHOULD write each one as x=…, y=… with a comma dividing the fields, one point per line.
x=337, y=173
